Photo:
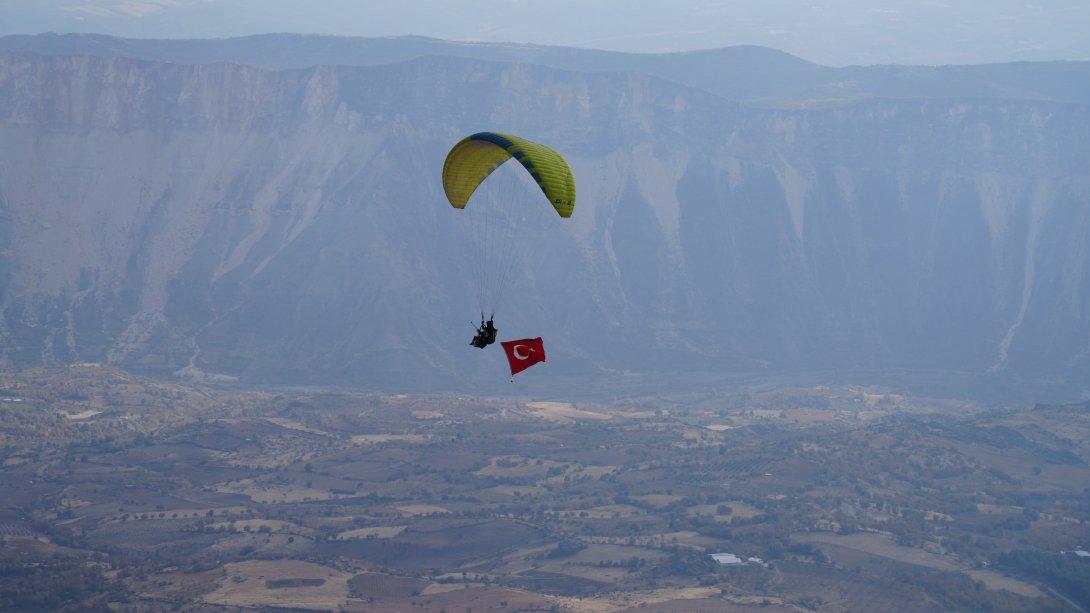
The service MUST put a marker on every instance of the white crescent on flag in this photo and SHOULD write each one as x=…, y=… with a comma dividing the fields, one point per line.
x=518, y=354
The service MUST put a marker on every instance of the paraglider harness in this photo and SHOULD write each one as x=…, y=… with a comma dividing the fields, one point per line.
x=486, y=334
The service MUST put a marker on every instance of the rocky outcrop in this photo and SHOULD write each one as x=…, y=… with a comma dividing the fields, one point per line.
x=288, y=225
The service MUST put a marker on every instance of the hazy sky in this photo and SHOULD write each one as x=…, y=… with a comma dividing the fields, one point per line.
x=828, y=31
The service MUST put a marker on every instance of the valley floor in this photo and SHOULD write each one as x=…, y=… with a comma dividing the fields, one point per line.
x=137, y=494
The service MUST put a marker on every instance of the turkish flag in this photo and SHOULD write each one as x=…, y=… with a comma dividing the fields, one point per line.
x=523, y=353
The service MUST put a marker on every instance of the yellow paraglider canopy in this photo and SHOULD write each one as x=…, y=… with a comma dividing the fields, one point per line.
x=475, y=157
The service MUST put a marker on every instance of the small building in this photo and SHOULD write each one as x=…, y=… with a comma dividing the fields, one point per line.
x=727, y=558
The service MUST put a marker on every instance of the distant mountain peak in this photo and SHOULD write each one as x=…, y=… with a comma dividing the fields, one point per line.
x=751, y=74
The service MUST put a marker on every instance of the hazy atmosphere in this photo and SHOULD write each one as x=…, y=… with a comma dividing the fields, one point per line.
x=575, y=306
x=834, y=32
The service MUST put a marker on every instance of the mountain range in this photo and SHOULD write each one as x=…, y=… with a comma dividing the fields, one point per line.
x=269, y=209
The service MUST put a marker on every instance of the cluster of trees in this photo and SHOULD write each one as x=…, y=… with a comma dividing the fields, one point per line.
x=566, y=547
x=52, y=584
x=1068, y=574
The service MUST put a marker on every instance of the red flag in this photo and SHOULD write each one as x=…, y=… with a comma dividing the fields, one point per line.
x=524, y=353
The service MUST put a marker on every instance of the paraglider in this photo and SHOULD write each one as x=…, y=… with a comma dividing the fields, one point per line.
x=486, y=334
x=475, y=157
x=467, y=165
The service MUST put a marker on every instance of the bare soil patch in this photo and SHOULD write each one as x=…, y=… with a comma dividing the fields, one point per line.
x=379, y=532
x=882, y=545
x=563, y=412
x=422, y=509
x=374, y=439
x=658, y=500
x=281, y=583
x=627, y=600
x=997, y=581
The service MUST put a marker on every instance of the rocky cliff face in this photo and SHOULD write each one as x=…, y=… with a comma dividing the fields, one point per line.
x=289, y=226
